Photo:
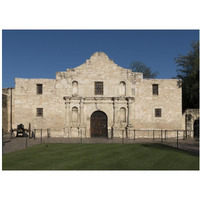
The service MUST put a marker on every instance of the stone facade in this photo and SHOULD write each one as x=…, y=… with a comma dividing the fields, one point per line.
x=68, y=102
x=6, y=110
x=191, y=118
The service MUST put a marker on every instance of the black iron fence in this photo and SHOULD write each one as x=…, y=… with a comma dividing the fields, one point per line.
x=176, y=138
x=180, y=139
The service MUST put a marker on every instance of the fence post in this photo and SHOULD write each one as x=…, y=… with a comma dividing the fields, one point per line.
x=123, y=137
x=34, y=133
x=41, y=136
x=10, y=133
x=2, y=140
x=153, y=134
x=177, y=140
x=47, y=133
x=112, y=130
x=165, y=134
x=29, y=130
x=161, y=136
x=81, y=136
x=134, y=134
x=26, y=140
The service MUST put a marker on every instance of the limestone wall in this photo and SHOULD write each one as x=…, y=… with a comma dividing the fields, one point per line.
x=72, y=93
x=189, y=117
x=98, y=68
x=6, y=108
x=168, y=99
x=5, y=125
x=26, y=101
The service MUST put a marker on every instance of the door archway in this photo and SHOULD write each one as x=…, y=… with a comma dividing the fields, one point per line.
x=98, y=124
x=196, y=128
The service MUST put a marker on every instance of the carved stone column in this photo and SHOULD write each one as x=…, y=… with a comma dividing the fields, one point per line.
x=114, y=111
x=67, y=116
x=114, y=118
x=67, y=112
x=81, y=112
x=130, y=111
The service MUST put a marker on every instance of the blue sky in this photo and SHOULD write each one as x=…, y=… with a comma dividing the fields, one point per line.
x=41, y=53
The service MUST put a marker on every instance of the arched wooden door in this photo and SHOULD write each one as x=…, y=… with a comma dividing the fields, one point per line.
x=98, y=122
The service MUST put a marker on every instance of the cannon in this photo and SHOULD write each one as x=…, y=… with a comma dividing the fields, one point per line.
x=21, y=131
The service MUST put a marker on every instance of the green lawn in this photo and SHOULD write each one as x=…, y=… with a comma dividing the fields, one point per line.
x=100, y=157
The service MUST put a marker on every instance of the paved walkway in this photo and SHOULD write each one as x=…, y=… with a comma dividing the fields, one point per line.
x=15, y=144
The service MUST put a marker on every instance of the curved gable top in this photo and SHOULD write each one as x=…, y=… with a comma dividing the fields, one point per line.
x=98, y=60
x=99, y=55
x=99, y=66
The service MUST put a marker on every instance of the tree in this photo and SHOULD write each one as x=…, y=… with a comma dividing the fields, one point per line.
x=138, y=66
x=188, y=72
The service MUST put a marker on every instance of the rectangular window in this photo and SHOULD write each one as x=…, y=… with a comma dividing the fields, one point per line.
x=155, y=89
x=98, y=88
x=39, y=88
x=39, y=112
x=157, y=112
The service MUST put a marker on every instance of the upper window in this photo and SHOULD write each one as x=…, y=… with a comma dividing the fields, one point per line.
x=157, y=112
x=39, y=112
x=155, y=89
x=39, y=88
x=98, y=88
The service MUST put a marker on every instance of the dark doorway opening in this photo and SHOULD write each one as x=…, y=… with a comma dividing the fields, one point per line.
x=98, y=124
x=196, y=128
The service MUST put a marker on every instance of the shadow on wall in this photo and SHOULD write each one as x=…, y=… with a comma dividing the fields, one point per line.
x=196, y=128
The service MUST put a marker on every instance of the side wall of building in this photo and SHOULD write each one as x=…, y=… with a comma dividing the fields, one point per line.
x=189, y=118
x=169, y=100
x=26, y=101
x=5, y=97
